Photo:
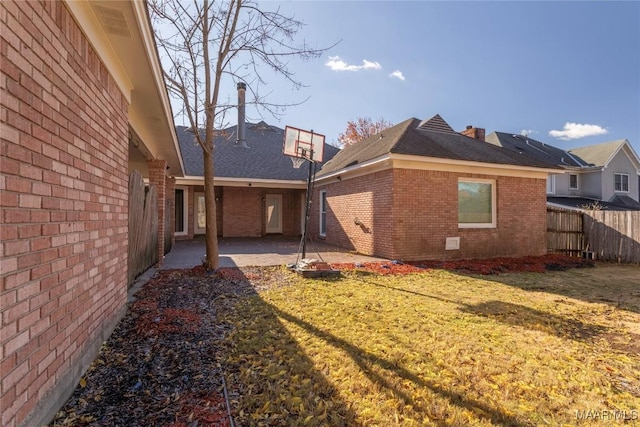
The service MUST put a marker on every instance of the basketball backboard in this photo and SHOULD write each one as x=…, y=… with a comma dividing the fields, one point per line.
x=303, y=143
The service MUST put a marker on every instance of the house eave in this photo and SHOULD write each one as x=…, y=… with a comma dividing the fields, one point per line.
x=132, y=60
x=456, y=164
x=406, y=161
x=244, y=182
x=373, y=165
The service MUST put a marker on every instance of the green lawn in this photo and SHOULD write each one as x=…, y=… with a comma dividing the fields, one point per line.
x=438, y=348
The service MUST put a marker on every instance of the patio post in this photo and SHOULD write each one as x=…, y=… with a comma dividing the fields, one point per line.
x=157, y=178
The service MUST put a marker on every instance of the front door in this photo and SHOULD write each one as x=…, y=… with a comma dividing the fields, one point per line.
x=200, y=215
x=274, y=213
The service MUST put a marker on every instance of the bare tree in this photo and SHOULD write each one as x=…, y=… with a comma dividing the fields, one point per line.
x=207, y=43
x=362, y=128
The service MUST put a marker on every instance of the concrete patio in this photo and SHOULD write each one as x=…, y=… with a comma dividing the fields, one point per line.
x=243, y=252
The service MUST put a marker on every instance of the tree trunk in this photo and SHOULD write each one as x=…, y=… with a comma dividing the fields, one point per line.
x=212, y=261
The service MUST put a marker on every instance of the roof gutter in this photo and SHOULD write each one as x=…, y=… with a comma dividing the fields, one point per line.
x=408, y=161
x=356, y=169
x=468, y=163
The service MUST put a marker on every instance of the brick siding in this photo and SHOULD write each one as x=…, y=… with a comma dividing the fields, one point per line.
x=369, y=199
x=63, y=205
x=243, y=211
x=408, y=214
x=158, y=179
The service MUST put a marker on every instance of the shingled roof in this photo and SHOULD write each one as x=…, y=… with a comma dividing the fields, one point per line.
x=599, y=154
x=533, y=148
x=416, y=137
x=263, y=159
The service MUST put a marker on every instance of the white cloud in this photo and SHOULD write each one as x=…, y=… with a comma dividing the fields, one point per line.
x=525, y=132
x=337, y=64
x=398, y=75
x=577, y=130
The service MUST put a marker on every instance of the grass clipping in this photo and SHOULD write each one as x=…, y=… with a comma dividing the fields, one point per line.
x=438, y=348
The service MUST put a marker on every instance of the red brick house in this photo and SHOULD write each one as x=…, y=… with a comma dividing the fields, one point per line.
x=83, y=103
x=258, y=191
x=420, y=190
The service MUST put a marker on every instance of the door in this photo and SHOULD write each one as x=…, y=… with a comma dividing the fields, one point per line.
x=274, y=213
x=200, y=216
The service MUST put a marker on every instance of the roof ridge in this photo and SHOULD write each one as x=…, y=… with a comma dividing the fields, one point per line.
x=616, y=141
x=436, y=124
x=408, y=127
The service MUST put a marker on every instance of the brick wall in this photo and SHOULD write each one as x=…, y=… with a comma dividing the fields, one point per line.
x=242, y=212
x=369, y=199
x=158, y=179
x=408, y=214
x=63, y=207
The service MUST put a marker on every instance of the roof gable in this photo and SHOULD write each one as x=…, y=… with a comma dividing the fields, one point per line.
x=601, y=154
x=436, y=124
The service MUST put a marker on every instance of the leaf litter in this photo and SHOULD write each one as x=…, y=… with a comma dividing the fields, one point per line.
x=429, y=348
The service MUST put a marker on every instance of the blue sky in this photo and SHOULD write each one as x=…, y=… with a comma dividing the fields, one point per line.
x=568, y=73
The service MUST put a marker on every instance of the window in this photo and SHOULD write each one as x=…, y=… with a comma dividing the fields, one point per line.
x=181, y=211
x=323, y=213
x=551, y=184
x=199, y=215
x=621, y=182
x=573, y=181
x=476, y=203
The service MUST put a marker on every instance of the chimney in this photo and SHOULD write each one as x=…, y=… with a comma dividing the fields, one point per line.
x=475, y=133
x=241, y=141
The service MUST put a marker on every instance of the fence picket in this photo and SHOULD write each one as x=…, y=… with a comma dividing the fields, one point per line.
x=611, y=235
x=143, y=227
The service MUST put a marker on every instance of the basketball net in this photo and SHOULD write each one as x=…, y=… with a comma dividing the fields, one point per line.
x=297, y=162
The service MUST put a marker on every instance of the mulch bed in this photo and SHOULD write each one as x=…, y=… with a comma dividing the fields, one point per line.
x=532, y=264
x=164, y=363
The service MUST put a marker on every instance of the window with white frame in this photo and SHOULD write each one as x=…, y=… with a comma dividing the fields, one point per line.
x=323, y=213
x=573, y=181
x=621, y=182
x=551, y=184
x=476, y=203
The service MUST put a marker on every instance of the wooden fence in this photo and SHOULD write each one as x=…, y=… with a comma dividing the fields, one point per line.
x=143, y=226
x=608, y=235
x=564, y=232
x=613, y=235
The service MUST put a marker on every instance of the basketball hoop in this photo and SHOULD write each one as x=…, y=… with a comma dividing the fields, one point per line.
x=302, y=143
x=297, y=162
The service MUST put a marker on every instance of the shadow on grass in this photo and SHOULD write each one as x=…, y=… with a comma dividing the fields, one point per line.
x=393, y=288
x=275, y=383
x=369, y=363
x=536, y=320
x=592, y=285
x=532, y=319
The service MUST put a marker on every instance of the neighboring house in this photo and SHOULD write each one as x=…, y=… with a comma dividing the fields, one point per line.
x=258, y=191
x=606, y=173
x=420, y=190
x=83, y=103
